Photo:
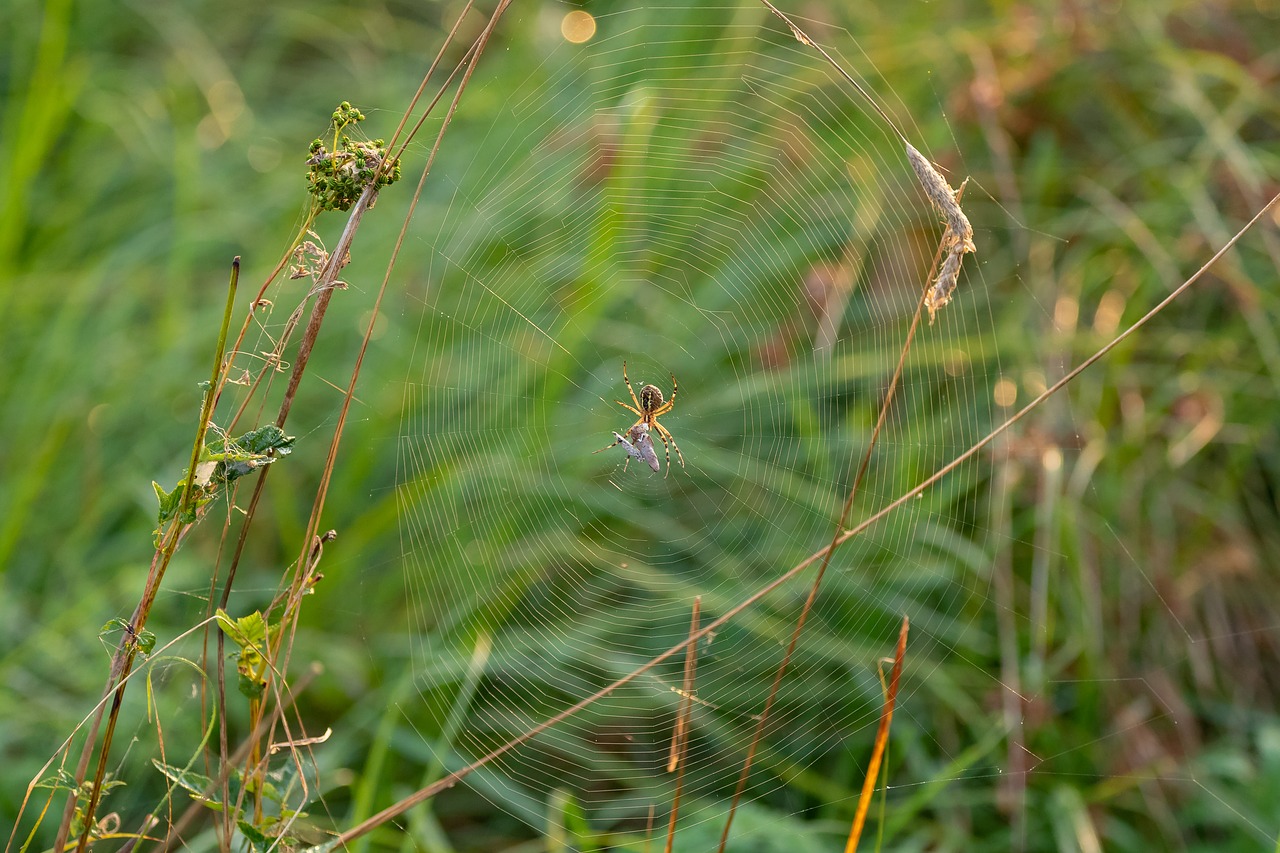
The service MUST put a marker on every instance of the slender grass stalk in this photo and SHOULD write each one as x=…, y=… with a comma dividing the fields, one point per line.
x=125, y=653
x=680, y=737
x=882, y=740
x=283, y=646
x=883, y=415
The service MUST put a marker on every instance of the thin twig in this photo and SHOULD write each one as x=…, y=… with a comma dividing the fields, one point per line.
x=422, y=87
x=313, y=524
x=324, y=285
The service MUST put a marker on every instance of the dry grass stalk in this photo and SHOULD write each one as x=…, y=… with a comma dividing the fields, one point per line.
x=882, y=740
x=958, y=238
x=680, y=738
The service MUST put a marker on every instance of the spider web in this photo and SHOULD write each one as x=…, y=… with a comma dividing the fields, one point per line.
x=696, y=193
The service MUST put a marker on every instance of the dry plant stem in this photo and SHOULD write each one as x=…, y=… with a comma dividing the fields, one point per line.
x=198, y=808
x=426, y=793
x=468, y=60
x=327, y=293
x=804, y=38
x=680, y=738
x=327, y=474
x=435, y=63
x=686, y=705
x=273, y=356
x=65, y=747
x=422, y=87
x=826, y=560
x=282, y=647
x=122, y=662
x=325, y=286
x=882, y=740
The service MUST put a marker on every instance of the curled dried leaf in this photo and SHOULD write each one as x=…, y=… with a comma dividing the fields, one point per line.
x=800, y=36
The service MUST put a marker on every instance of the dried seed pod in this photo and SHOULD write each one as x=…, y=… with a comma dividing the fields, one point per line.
x=945, y=284
x=943, y=199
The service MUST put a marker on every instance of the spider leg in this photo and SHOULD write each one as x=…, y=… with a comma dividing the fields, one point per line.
x=616, y=443
x=634, y=398
x=666, y=436
x=629, y=409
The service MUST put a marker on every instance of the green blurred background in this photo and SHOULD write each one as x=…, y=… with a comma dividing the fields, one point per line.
x=1093, y=601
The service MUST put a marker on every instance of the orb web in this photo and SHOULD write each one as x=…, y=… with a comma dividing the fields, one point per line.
x=699, y=195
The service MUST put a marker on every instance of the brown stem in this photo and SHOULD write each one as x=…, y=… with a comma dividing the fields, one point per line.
x=122, y=662
x=826, y=560
x=680, y=737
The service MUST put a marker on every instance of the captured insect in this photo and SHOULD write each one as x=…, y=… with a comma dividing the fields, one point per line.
x=639, y=446
x=648, y=406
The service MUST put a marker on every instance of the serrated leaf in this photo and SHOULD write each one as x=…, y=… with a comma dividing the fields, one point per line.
x=265, y=438
x=169, y=501
x=238, y=457
x=245, y=632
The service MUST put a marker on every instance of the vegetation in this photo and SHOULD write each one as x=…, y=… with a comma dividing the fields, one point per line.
x=1093, y=643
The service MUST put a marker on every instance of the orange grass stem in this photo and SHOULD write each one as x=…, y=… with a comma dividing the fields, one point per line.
x=882, y=740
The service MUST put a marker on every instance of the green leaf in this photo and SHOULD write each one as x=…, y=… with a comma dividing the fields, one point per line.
x=145, y=641
x=169, y=501
x=265, y=438
x=250, y=634
x=256, y=837
x=197, y=785
x=249, y=685
x=238, y=457
x=245, y=632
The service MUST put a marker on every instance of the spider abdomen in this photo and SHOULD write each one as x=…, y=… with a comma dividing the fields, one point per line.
x=650, y=398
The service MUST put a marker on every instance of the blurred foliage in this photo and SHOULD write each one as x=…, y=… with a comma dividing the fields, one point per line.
x=1095, y=598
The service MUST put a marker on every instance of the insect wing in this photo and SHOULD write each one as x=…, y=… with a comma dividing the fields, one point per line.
x=632, y=450
x=643, y=446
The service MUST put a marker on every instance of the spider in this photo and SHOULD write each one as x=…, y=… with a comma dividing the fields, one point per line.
x=649, y=406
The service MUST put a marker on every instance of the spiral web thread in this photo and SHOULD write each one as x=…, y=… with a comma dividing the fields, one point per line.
x=697, y=193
